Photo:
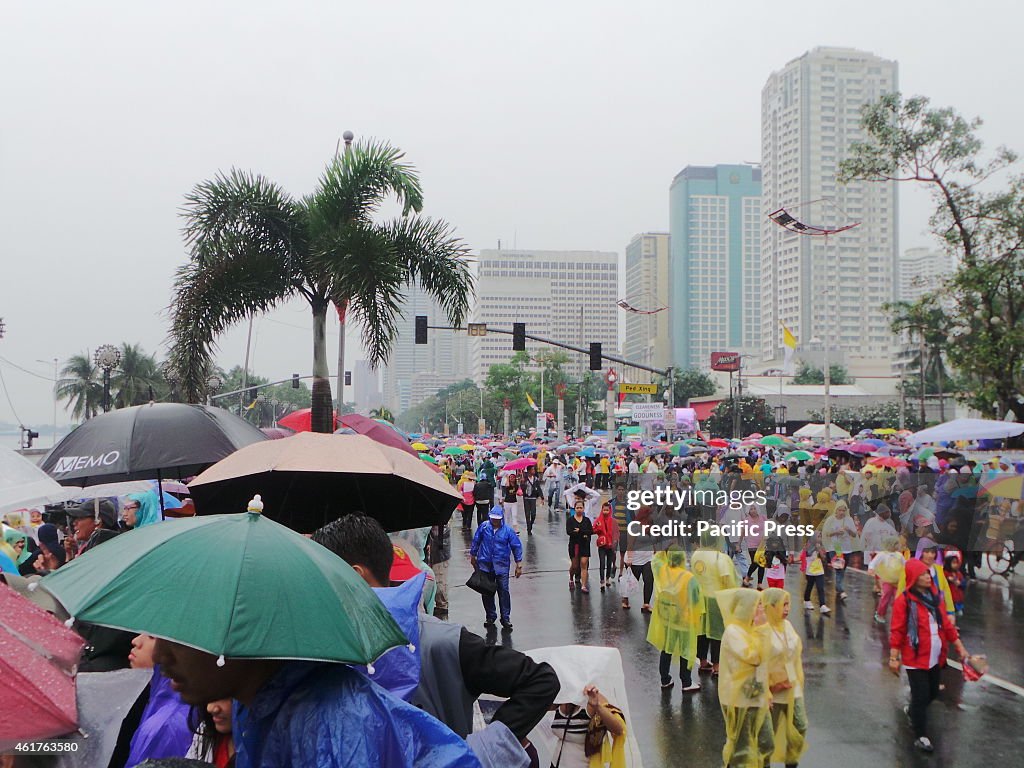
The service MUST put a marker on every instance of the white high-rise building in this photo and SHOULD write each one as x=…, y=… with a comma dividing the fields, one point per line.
x=438, y=363
x=566, y=296
x=922, y=271
x=831, y=288
x=366, y=387
x=647, y=291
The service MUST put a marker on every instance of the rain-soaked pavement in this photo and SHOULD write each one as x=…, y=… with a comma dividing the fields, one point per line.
x=854, y=703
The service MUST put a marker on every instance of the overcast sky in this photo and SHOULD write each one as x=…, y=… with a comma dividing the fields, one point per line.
x=544, y=124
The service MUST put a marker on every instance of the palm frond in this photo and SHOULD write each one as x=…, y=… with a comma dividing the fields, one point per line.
x=247, y=209
x=212, y=296
x=435, y=259
x=355, y=183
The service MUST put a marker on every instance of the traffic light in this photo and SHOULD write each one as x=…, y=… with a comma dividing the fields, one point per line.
x=348, y=378
x=518, y=337
x=295, y=381
x=595, y=355
x=421, y=329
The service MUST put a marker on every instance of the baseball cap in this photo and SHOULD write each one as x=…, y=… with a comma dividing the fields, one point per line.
x=108, y=514
x=496, y=513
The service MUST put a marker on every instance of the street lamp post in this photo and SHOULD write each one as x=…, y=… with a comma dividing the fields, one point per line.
x=780, y=419
x=213, y=385
x=107, y=357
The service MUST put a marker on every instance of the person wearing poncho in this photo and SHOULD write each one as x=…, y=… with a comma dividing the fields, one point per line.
x=785, y=678
x=715, y=571
x=677, y=617
x=888, y=566
x=743, y=681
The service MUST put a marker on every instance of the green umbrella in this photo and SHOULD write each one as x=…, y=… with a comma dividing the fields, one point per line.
x=799, y=456
x=509, y=455
x=428, y=458
x=240, y=586
x=925, y=453
x=772, y=440
x=453, y=450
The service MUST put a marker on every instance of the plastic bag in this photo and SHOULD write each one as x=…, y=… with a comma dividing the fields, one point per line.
x=629, y=586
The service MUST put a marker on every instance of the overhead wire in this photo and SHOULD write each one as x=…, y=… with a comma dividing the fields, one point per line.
x=25, y=370
x=7, y=394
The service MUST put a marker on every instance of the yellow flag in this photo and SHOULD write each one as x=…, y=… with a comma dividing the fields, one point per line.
x=789, y=342
x=530, y=401
x=788, y=338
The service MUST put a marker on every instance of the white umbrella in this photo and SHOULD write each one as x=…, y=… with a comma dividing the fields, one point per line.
x=967, y=429
x=818, y=430
x=23, y=484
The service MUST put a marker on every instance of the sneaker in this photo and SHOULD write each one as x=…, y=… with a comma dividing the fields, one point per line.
x=825, y=609
x=842, y=596
x=692, y=688
x=706, y=666
x=666, y=685
x=808, y=605
x=645, y=608
x=924, y=744
x=879, y=619
x=572, y=585
x=586, y=590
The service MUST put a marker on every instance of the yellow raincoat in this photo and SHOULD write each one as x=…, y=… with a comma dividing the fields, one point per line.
x=891, y=562
x=807, y=513
x=678, y=607
x=785, y=665
x=743, y=682
x=715, y=571
x=823, y=506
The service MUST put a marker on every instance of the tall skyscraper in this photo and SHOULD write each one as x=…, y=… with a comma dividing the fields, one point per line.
x=439, y=362
x=715, y=265
x=922, y=271
x=831, y=288
x=646, y=291
x=567, y=296
x=366, y=387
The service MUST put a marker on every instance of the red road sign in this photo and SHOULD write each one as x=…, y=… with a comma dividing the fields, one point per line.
x=725, y=361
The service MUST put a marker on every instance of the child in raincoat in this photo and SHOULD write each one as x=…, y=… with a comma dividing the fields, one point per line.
x=785, y=678
x=677, y=617
x=888, y=565
x=715, y=571
x=743, y=683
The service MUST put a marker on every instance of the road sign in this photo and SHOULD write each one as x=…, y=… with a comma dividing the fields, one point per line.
x=560, y=390
x=669, y=418
x=638, y=389
x=648, y=412
x=542, y=423
x=477, y=329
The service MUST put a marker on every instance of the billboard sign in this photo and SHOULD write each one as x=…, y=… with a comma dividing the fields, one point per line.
x=725, y=361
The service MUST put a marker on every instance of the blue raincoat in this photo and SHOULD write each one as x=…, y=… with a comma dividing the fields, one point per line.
x=398, y=670
x=163, y=730
x=319, y=715
x=149, y=508
x=492, y=547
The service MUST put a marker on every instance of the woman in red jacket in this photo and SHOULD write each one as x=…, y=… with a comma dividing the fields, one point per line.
x=607, y=530
x=919, y=633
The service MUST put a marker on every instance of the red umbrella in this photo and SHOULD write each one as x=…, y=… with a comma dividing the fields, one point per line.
x=718, y=443
x=302, y=420
x=517, y=464
x=375, y=430
x=37, y=671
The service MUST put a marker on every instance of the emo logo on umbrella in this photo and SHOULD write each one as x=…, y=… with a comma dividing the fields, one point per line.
x=73, y=463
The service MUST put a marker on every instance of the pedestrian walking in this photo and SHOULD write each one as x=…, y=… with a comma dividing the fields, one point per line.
x=531, y=492
x=743, y=683
x=493, y=546
x=607, y=531
x=887, y=567
x=579, y=529
x=438, y=554
x=784, y=650
x=918, y=636
x=715, y=572
x=840, y=539
x=638, y=559
x=677, y=617
x=466, y=486
x=812, y=564
x=483, y=497
x=510, y=495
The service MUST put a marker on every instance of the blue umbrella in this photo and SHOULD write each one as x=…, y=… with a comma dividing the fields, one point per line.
x=587, y=452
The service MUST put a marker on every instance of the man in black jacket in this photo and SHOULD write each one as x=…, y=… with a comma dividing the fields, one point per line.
x=483, y=496
x=456, y=665
x=532, y=490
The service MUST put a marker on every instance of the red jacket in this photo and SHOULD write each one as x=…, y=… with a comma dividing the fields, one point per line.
x=605, y=525
x=899, y=637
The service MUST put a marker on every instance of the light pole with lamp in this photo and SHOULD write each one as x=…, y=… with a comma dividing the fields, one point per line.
x=170, y=375
x=780, y=419
x=107, y=357
x=213, y=385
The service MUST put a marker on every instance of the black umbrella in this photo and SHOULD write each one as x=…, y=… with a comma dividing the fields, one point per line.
x=161, y=440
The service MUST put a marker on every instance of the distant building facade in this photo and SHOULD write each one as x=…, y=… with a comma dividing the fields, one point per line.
x=922, y=271
x=566, y=296
x=715, y=262
x=646, y=290
x=830, y=288
x=366, y=387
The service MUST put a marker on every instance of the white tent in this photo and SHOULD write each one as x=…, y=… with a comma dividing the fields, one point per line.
x=23, y=484
x=967, y=429
x=818, y=431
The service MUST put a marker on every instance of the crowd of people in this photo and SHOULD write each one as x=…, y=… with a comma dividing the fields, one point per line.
x=718, y=606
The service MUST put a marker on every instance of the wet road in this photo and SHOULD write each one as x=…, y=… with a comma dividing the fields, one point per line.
x=854, y=704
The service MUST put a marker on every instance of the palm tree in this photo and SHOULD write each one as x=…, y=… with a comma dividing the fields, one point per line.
x=253, y=246
x=382, y=413
x=137, y=378
x=79, y=384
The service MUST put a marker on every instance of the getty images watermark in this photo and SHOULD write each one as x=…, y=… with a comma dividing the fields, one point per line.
x=707, y=497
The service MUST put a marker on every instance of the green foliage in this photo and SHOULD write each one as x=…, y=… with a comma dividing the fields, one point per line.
x=810, y=375
x=874, y=416
x=80, y=384
x=755, y=416
x=688, y=383
x=137, y=380
x=254, y=246
x=981, y=307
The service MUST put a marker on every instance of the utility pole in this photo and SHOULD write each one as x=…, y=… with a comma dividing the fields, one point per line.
x=342, y=308
x=920, y=368
x=903, y=401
